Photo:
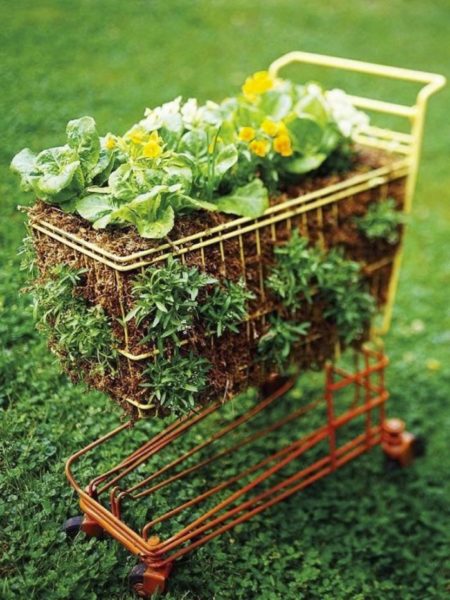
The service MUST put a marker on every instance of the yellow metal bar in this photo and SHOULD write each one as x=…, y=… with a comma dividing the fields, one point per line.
x=398, y=168
x=358, y=66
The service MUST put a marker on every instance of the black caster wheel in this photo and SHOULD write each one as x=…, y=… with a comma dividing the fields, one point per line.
x=72, y=526
x=419, y=446
x=391, y=465
x=136, y=580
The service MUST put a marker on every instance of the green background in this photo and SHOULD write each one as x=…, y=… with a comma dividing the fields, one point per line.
x=360, y=534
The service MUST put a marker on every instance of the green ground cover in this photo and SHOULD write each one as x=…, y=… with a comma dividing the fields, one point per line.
x=361, y=534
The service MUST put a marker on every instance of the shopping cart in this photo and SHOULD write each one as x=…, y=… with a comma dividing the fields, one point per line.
x=346, y=419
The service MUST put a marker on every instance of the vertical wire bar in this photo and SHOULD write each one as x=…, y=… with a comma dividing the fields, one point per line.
x=222, y=256
x=244, y=275
x=366, y=380
x=289, y=225
x=260, y=265
x=329, y=378
x=202, y=253
x=124, y=324
x=357, y=388
x=321, y=239
x=304, y=227
x=382, y=409
x=273, y=231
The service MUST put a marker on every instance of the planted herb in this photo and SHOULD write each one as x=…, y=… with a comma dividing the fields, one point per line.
x=276, y=345
x=176, y=381
x=166, y=298
x=76, y=331
x=382, y=221
x=295, y=272
x=300, y=269
x=225, y=307
x=349, y=305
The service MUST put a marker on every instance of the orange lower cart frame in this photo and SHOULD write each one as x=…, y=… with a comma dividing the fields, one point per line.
x=349, y=429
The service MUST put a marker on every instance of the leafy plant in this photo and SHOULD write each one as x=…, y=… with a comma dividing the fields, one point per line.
x=166, y=298
x=182, y=157
x=76, y=331
x=295, y=272
x=59, y=175
x=381, y=221
x=176, y=381
x=301, y=269
x=276, y=345
x=349, y=305
x=225, y=307
x=28, y=256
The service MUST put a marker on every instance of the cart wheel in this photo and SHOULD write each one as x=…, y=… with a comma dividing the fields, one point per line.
x=136, y=580
x=88, y=526
x=390, y=464
x=419, y=446
x=72, y=526
x=145, y=582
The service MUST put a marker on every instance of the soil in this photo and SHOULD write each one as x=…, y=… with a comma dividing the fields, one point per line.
x=233, y=356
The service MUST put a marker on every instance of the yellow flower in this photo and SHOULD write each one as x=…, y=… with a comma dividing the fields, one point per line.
x=246, y=134
x=110, y=142
x=259, y=147
x=281, y=127
x=152, y=149
x=257, y=84
x=282, y=145
x=135, y=136
x=270, y=127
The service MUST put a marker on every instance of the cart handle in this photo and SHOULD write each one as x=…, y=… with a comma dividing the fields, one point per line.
x=433, y=82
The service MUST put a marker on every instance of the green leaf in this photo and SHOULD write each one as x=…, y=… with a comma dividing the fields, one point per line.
x=182, y=203
x=60, y=177
x=194, y=142
x=82, y=136
x=178, y=171
x=101, y=171
x=159, y=228
x=225, y=159
x=306, y=134
x=314, y=106
x=94, y=206
x=276, y=105
x=24, y=164
x=250, y=200
x=122, y=183
x=304, y=164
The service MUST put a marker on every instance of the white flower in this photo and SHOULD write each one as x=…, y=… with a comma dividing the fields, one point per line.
x=189, y=111
x=161, y=115
x=313, y=89
x=194, y=115
x=346, y=116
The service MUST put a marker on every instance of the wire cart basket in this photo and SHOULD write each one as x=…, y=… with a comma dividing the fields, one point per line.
x=346, y=418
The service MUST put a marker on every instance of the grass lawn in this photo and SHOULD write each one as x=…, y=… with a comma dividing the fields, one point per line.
x=360, y=534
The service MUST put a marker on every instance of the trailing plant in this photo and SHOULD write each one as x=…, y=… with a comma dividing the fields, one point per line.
x=295, y=272
x=301, y=269
x=76, y=331
x=176, y=381
x=348, y=304
x=182, y=157
x=225, y=307
x=381, y=221
x=27, y=255
x=276, y=345
x=166, y=298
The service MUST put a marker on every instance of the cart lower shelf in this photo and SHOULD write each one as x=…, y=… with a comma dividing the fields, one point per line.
x=326, y=432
